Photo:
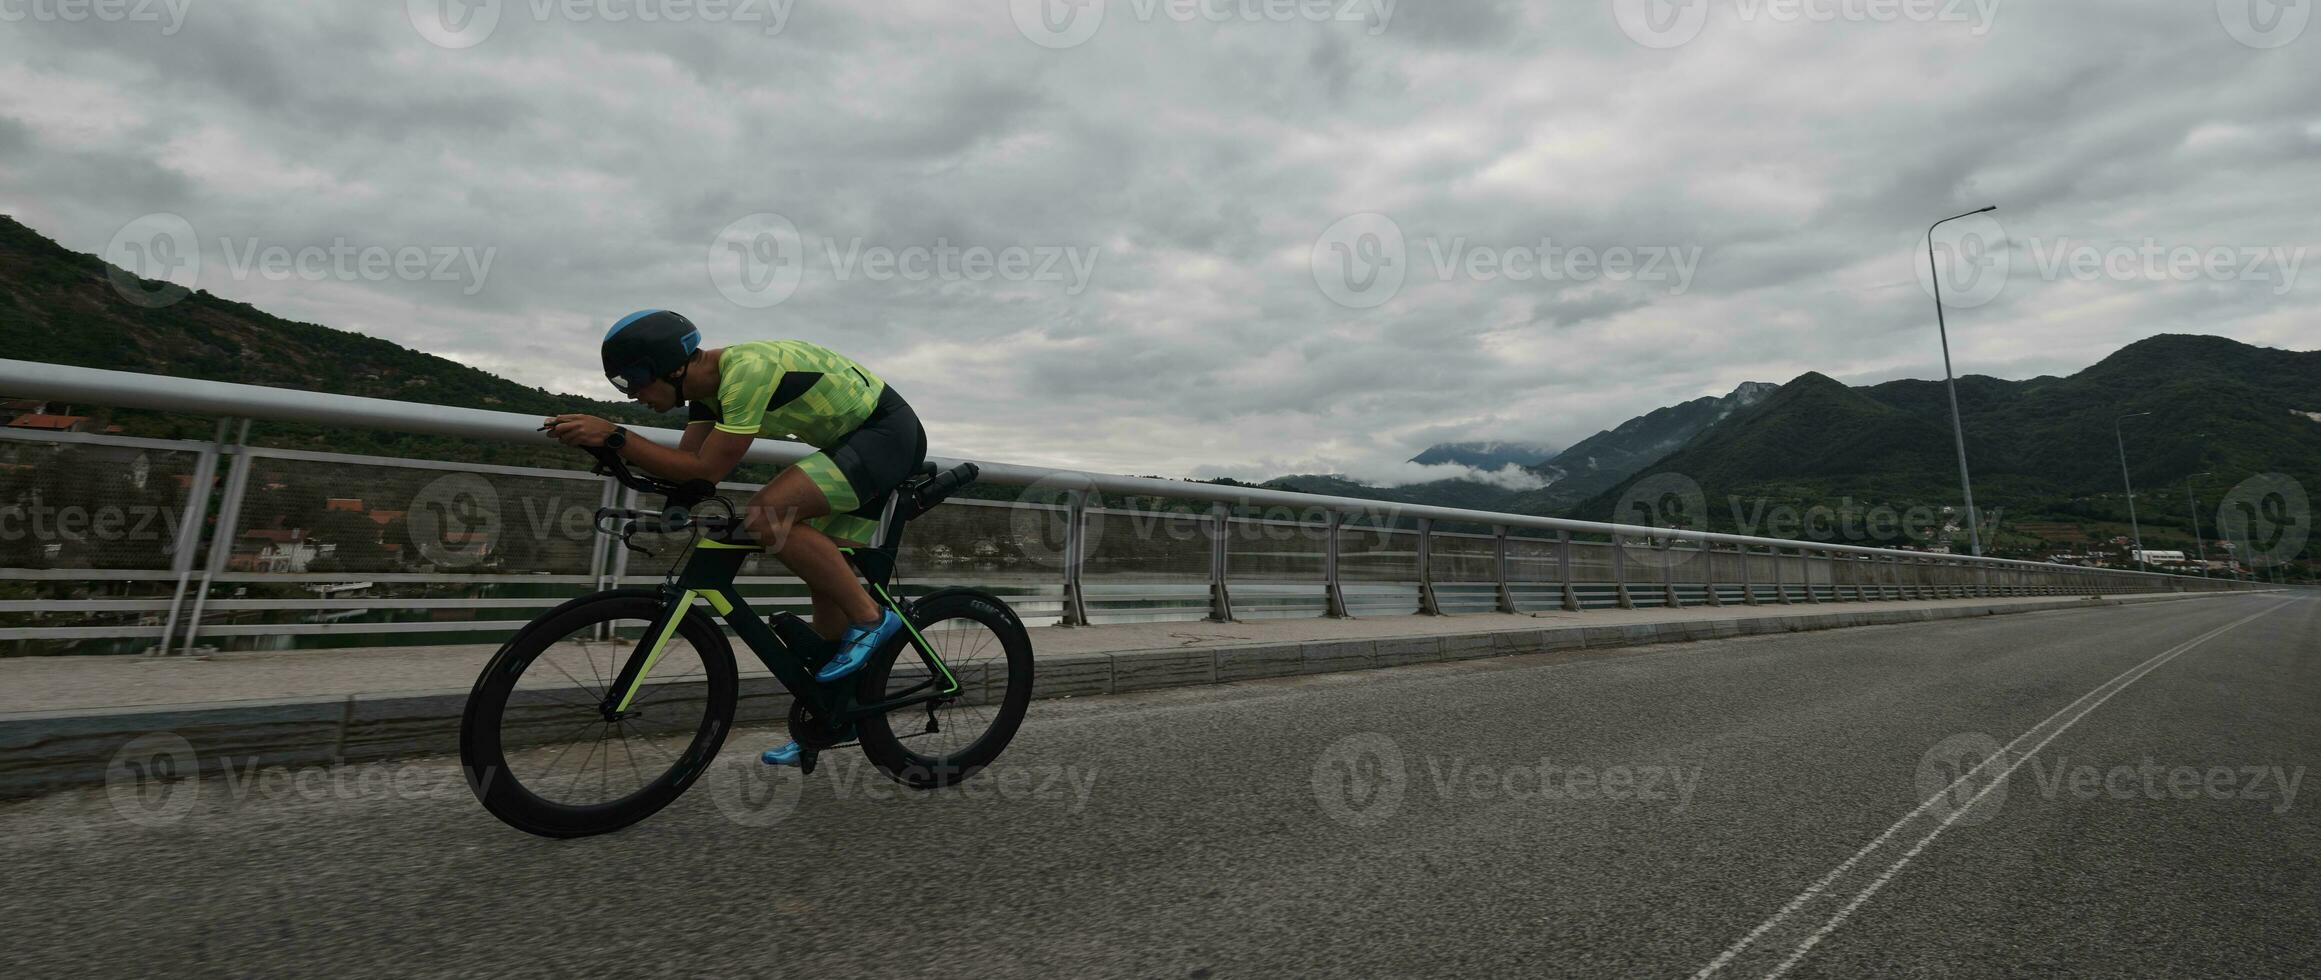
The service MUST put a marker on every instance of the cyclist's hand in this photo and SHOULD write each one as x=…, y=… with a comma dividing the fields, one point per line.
x=578, y=430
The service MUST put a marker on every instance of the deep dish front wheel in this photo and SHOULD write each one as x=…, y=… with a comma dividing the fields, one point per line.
x=541, y=755
x=984, y=648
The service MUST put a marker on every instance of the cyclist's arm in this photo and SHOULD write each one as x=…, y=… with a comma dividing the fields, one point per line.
x=704, y=454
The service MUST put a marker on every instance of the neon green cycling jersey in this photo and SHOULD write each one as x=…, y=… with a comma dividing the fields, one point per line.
x=789, y=389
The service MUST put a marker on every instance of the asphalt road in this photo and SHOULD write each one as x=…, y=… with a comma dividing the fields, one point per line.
x=1765, y=806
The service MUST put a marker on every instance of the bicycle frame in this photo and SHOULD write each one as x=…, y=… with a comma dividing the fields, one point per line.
x=708, y=575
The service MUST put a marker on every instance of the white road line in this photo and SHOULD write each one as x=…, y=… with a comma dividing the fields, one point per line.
x=2068, y=716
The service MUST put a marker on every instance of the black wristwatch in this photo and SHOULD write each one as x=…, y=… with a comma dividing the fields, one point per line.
x=619, y=438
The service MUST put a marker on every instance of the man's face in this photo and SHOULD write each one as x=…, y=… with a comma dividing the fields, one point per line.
x=659, y=395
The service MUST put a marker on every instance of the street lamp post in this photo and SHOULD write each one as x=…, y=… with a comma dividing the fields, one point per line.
x=1957, y=429
x=2133, y=527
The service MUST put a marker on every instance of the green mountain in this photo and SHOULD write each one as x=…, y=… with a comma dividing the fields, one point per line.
x=60, y=307
x=2040, y=450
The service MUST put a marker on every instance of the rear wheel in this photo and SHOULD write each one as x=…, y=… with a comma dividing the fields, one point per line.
x=542, y=757
x=984, y=647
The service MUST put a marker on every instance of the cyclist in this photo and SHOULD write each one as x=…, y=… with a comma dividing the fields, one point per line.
x=869, y=442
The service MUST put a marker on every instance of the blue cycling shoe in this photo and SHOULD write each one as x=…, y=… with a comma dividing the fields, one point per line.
x=858, y=644
x=782, y=755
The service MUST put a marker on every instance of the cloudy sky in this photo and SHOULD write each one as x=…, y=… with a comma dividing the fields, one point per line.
x=1231, y=237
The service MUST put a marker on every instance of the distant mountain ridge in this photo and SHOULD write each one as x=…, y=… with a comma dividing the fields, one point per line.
x=59, y=306
x=1611, y=456
x=1492, y=455
x=2219, y=411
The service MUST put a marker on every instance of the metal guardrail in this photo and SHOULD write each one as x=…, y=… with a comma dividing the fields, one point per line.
x=1250, y=553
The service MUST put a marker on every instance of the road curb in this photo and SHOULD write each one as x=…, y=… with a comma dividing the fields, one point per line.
x=43, y=752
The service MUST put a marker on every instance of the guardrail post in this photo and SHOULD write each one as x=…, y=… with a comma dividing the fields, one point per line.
x=1563, y=570
x=1748, y=590
x=1620, y=571
x=1499, y=562
x=1668, y=573
x=1864, y=568
x=601, y=546
x=222, y=540
x=1805, y=568
x=1333, y=591
x=1428, y=604
x=1220, y=600
x=1708, y=572
x=190, y=519
x=1075, y=612
x=1780, y=580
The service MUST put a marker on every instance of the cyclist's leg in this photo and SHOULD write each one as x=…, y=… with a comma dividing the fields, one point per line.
x=777, y=518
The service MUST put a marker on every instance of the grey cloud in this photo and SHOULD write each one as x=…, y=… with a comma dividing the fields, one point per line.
x=1201, y=161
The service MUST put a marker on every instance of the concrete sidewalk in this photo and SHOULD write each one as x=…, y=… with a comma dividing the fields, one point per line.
x=80, y=684
x=62, y=719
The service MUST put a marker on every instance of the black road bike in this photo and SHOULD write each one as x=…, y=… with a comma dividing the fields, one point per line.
x=603, y=710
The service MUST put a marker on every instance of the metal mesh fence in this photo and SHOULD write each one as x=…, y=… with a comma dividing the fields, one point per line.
x=334, y=516
x=91, y=505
